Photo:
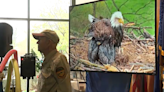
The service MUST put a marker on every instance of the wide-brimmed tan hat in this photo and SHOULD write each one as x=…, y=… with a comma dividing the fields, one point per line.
x=47, y=33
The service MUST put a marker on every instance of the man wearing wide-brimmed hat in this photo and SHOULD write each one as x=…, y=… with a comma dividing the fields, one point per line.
x=55, y=72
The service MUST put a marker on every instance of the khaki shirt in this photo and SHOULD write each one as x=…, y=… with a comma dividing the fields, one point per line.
x=55, y=74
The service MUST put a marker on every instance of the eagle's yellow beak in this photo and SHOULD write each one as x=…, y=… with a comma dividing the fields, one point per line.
x=121, y=21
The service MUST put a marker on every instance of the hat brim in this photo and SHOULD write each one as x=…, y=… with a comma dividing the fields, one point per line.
x=37, y=35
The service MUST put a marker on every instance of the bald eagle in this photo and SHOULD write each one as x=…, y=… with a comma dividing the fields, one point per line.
x=106, y=35
x=117, y=22
x=101, y=47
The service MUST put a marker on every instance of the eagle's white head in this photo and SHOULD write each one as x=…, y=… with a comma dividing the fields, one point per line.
x=117, y=19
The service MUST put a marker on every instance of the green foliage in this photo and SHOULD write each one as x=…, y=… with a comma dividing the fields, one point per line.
x=141, y=12
x=38, y=61
x=61, y=28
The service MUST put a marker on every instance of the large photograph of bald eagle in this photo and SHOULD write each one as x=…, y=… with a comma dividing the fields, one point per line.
x=113, y=36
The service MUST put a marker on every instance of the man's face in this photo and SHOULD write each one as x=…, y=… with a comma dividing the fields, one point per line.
x=42, y=44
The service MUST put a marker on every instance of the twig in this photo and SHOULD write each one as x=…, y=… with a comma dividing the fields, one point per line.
x=135, y=43
x=115, y=5
x=123, y=3
x=143, y=46
x=134, y=35
x=140, y=36
x=145, y=40
x=72, y=37
x=126, y=43
x=140, y=40
x=108, y=8
x=131, y=68
x=74, y=66
x=131, y=14
x=139, y=64
x=93, y=69
x=142, y=7
x=135, y=27
x=146, y=21
x=128, y=37
x=146, y=34
x=149, y=71
x=146, y=67
x=78, y=65
x=88, y=63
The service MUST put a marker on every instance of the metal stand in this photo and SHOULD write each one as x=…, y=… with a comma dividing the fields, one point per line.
x=1, y=86
x=28, y=80
x=28, y=67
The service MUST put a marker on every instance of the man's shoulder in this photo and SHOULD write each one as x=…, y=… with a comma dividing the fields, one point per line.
x=59, y=57
x=57, y=53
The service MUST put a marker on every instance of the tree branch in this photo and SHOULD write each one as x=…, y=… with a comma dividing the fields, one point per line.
x=126, y=19
x=145, y=21
x=115, y=5
x=134, y=27
x=108, y=8
x=142, y=7
x=123, y=3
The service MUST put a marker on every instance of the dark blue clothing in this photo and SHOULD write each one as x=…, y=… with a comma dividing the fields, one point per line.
x=160, y=43
x=1, y=87
x=161, y=25
x=107, y=82
x=160, y=31
x=157, y=77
